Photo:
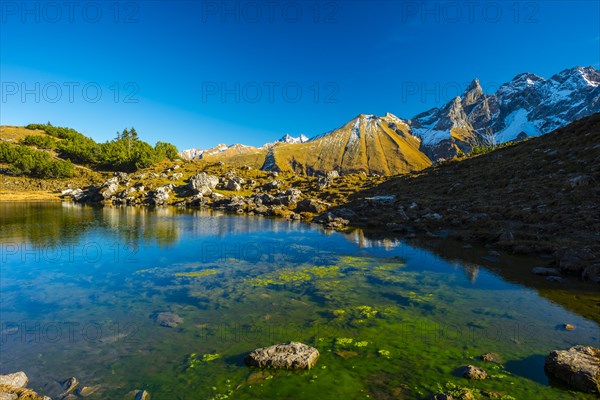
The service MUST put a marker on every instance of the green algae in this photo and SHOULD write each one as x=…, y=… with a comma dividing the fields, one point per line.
x=196, y=274
x=296, y=276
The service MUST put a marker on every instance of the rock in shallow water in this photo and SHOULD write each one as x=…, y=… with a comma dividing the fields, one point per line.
x=579, y=367
x=293, y=355
x=167, y=319
x=473, y=372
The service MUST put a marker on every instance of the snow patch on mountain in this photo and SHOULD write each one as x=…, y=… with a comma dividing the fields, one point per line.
x=517, y=122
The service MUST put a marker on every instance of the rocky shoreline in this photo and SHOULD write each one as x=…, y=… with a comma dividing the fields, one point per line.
x=306, y=199
x=577, y=367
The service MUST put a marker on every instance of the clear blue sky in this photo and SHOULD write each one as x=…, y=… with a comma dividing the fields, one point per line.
x=347, y=57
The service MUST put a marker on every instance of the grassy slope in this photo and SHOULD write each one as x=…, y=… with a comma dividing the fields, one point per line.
x=378, y=149
x=524, y=189
x=21, y=188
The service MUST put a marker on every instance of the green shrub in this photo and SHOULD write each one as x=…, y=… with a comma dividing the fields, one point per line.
x=124, y=153
x=24, y=160
x=41, y=142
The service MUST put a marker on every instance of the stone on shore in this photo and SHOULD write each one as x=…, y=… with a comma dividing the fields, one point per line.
x=17, y=380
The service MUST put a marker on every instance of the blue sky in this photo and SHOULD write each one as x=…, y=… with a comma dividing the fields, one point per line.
x=197, y=74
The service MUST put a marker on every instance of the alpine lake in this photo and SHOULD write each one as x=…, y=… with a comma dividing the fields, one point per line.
x=82, y=288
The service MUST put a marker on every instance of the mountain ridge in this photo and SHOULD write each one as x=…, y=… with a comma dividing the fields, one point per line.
x=528, y=105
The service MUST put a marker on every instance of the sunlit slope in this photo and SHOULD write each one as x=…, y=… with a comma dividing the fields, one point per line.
x=238, y=156
x=370, y=144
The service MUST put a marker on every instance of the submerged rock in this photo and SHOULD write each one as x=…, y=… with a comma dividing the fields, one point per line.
x=69, y=385
x=579, y=367
x=293, y=355
x=88, y=390
x=142, y=395
x=491, y=357
x=473, y=372
x=167, y=319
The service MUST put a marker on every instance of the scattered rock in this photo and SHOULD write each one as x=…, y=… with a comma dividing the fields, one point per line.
x=159, y=196
x=544, y=271
x=579, y=367
x=506, y=237
x=573, y=260
x=473, y=372
x=167, y=319
x=329, y=220
x=491, y=357
x=203, y=183
x=569, y=327
x=580, y=180
x=293, y=355
x=311, y=205
x=592, y=273
x=442, y=396
x=234, y=183
x=17, y=379
x=274, y=184
x=109, y=188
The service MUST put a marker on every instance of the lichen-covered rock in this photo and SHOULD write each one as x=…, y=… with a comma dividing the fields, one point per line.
x=579, y=367
x=293, y=355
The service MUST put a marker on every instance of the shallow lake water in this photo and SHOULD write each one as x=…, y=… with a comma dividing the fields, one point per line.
x=79, y=287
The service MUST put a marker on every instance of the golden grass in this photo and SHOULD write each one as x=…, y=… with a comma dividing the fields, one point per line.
x=40, y=195
x=16, y=133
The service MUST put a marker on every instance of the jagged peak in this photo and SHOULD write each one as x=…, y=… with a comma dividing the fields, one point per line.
x=526, y=77
x=474, y=86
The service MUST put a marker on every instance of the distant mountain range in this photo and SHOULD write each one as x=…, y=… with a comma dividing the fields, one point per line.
x=528, y=105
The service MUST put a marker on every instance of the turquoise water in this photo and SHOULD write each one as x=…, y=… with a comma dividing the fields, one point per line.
x=79, y=286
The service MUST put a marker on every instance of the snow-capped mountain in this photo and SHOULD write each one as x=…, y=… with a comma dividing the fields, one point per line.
x=197, y=154
x=287, y=138
x=528, y=105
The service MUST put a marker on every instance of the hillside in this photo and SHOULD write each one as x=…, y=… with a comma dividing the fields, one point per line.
x=539, y=196
x=370, y=144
